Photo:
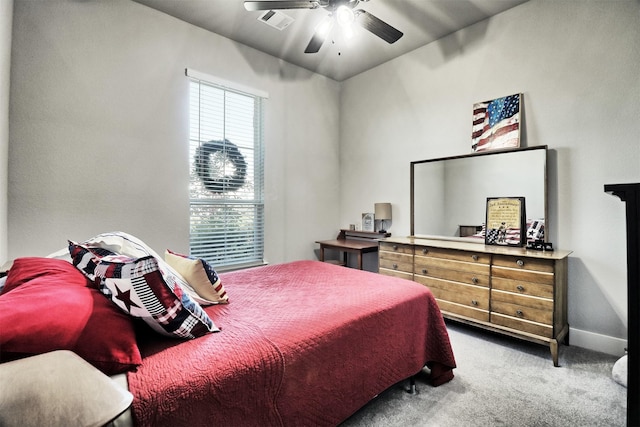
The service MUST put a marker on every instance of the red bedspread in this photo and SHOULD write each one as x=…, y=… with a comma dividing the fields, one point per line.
x=302, y=343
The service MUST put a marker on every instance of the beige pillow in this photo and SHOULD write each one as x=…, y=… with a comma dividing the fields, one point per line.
x=58, y=389
x=199, y=275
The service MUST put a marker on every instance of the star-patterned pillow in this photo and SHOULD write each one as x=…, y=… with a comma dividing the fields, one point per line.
x=121, y=243
x=138, y=287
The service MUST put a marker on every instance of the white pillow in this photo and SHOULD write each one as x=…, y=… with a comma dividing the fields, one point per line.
x=125, y=244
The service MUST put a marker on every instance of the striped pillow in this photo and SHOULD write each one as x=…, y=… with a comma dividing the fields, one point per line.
x=138, y=287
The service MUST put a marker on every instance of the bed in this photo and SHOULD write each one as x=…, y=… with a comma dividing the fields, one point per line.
x=300, y=343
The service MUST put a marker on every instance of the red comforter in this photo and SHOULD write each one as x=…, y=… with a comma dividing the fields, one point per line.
x=302, y=343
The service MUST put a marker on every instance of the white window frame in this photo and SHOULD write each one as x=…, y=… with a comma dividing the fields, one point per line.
x=226, y=227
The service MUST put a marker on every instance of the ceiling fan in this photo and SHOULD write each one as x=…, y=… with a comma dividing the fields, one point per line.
x=340, y=11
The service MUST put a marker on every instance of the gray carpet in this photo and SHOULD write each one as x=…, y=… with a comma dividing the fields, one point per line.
x=502, y=381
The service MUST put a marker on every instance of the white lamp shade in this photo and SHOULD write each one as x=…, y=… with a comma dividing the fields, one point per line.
x=383, y=211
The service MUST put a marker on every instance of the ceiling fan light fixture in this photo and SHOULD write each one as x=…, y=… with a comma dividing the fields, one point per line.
x=342, y=12
x=345, y=16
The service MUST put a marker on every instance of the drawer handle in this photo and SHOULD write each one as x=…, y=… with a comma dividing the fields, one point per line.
x=395, y=247
x=424, y=271
x=520, y=263
x=519, y=313
x=474, y=257
x=520, y=288
x=474, y=302
x=474, y=279
x=425, y=250
x=395, y=266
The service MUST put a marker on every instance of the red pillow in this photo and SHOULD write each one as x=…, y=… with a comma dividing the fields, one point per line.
x=46, y=305
x=26, y=269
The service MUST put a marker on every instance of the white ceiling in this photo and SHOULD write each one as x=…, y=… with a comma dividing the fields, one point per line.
x=421, y=21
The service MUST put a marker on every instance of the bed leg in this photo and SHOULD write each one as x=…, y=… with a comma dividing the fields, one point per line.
x=412, y=385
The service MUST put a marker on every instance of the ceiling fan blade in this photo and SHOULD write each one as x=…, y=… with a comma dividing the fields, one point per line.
x=319, y=35
x=377, y=26
x=272, y=5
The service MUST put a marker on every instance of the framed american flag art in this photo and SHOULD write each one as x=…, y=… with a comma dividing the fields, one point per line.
x=496, y=123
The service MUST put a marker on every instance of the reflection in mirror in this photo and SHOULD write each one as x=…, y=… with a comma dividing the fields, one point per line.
x=451, y=192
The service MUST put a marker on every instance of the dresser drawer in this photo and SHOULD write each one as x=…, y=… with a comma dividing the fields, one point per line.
x=395, y=273
x=524, y=263
x=432, y=268
x=468, y=295
x=519, y=312
x=396, y=261
x=396, y=247
x=523, y=307
x=452, y=254
x=523, y=288
x=450, y=308
x=522, y=325
x=443, y=268
x=523, y=275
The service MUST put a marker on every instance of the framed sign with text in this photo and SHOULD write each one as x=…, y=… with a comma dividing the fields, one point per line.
x=505, y=224
x=368, y=221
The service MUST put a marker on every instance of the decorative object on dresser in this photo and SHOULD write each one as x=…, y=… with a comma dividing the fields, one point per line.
x=505, y=223
x=368, y=221
x=630, y=194
x=508, y=290
x=382, y=213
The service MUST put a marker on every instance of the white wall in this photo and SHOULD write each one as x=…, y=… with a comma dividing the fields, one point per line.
x=99, y=129
x=577, y=64
x=6, y=18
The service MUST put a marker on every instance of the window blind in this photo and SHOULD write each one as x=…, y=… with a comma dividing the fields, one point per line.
x=226, y=184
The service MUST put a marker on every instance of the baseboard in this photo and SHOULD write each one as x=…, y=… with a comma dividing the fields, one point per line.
x=597, y=342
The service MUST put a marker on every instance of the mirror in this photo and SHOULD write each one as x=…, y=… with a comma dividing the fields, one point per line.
x=449, y=194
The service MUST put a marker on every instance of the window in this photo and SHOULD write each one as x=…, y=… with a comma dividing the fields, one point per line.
x=226, y=173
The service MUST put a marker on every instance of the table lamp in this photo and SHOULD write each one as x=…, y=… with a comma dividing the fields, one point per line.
x=382, y=212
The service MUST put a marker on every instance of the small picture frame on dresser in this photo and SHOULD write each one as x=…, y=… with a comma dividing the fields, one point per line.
x=505, y=221
x=368, y=221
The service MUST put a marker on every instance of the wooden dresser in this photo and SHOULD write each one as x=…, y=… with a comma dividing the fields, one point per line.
x=510, y=290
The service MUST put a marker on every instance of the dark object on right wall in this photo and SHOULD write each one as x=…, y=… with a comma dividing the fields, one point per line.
x=630, y=193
